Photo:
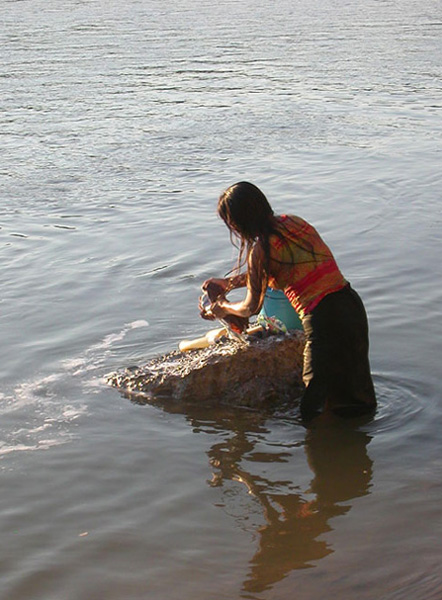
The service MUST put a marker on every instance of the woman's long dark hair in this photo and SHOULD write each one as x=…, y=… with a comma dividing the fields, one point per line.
x=250, y=218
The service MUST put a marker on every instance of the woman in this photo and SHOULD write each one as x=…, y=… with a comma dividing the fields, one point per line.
x=285, y=252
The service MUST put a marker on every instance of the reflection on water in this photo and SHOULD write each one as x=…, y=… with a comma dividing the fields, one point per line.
x=291, y=537
x=292, y=520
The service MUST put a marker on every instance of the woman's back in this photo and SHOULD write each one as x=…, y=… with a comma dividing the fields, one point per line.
x=302, y=264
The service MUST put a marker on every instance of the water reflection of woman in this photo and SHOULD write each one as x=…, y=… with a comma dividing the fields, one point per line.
x=295, y=520
x=288, y=254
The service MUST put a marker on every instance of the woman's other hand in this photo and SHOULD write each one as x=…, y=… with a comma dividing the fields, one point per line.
x=205, y=311
x=218, y=310
x=214, y=311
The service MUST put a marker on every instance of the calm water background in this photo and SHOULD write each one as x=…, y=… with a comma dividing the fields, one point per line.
x=120, y=124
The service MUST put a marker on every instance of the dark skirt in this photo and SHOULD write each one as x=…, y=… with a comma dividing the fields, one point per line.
x=336, y=370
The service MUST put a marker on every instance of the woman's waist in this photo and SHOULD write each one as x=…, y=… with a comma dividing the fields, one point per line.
x=308, y=300
x=306, y=293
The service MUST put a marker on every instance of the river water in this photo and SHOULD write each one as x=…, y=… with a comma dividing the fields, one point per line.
x=120, y=125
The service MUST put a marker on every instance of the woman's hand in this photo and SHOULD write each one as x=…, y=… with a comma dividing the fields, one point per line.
x=222, y=283
x=228, y=283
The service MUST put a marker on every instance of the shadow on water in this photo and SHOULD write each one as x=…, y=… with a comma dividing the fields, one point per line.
x=249, y=446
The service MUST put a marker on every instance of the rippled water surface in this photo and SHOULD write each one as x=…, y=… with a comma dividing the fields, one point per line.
x=120, y=124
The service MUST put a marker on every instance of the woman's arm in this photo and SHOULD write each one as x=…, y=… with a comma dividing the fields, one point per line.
x=252, y=302
x=218, y=288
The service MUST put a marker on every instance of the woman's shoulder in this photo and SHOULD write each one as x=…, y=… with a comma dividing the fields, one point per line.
x=291, y=221
x=288, y=217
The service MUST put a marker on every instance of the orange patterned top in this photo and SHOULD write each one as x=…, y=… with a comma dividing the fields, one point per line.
x=302, y=265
